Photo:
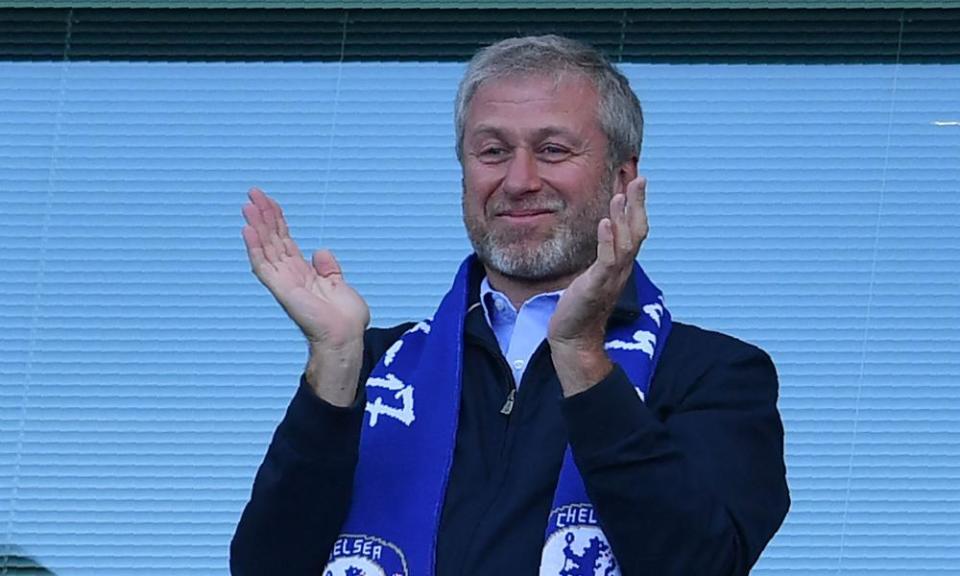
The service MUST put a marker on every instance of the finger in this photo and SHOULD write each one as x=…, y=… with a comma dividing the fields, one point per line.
x=622, y=237
x=278, y=215
x=289, y=246
x=258, y=198
x=254, y=249
x=264, y=205
x=326, y=264
x=606, y=254
x=637, y=209
x=275, y=233
x=258, y=204
x=255, y=219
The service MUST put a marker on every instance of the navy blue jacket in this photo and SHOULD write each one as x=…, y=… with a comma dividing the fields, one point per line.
x=692, y=482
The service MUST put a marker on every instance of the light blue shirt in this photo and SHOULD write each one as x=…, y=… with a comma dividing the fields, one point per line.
x=519, y=333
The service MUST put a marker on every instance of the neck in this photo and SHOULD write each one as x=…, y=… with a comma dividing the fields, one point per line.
x=519, y=290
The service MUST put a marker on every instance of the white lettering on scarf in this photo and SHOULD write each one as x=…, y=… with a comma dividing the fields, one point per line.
x=391, y=352
x=642, y=340
x=654, y=311
x=422, y=326
x=402, y=391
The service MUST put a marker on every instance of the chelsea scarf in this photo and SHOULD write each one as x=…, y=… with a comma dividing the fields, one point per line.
x=407, y=443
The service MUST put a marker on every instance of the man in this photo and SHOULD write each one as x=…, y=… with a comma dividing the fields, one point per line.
x=550, y=418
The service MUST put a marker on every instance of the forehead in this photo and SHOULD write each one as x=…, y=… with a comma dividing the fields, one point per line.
x=530, y=102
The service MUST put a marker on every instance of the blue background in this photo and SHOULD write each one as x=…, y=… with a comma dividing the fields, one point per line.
x=810, y=209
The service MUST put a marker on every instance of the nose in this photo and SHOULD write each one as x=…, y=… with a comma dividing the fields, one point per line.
x=522, y=173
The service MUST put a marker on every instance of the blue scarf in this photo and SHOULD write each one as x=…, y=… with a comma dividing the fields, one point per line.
x=407, y=443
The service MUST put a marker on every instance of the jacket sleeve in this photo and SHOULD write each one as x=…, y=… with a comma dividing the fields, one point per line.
x=302, y=490
x=697, y=487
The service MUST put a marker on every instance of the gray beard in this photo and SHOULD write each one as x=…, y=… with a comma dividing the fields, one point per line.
x=571, y=248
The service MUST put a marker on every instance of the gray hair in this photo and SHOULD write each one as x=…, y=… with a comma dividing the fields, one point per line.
x=619, y=113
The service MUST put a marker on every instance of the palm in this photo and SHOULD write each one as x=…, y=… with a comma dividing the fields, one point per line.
x=314, y=295
x=575, y=308
x=586, y=303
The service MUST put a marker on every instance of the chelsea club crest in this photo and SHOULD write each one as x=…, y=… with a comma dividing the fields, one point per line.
x=576, y=545
x=362, y=555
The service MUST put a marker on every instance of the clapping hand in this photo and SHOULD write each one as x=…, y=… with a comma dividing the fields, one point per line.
x=329, y=312
x=576, y=332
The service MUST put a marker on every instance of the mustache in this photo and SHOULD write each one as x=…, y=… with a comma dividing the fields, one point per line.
x=532, y=205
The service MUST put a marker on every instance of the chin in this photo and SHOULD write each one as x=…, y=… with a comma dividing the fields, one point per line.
x=542, y=262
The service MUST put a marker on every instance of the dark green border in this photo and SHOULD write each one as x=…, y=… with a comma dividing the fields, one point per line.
x=674, y=36
x=471, y=4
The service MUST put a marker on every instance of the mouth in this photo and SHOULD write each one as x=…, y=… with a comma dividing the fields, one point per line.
x=525, y=215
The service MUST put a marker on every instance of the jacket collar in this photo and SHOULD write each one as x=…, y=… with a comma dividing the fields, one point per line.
x=627, y=308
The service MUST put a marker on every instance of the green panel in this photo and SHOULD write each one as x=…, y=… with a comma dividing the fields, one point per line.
x=675, y=36
x=470, y=4
x=14, y=563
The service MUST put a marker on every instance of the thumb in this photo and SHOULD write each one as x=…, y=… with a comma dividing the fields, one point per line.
x=325, y=264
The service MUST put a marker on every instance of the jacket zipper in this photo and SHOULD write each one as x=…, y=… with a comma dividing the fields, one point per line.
x=508, y=405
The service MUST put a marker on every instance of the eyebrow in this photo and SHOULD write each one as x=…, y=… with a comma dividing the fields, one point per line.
x=548, y=131
x=486, y=130
x=540, y=134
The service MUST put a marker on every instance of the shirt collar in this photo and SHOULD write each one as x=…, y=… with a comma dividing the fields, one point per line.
x=627, y=308
x=496, y=305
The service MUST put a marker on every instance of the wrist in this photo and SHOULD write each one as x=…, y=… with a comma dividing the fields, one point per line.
x=333, y=373
x=579, y=364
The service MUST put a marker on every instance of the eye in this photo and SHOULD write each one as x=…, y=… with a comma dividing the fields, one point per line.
x=553, y=153
x=492, y=154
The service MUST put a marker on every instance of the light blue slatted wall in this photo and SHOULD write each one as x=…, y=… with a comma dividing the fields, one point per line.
x=813, y=210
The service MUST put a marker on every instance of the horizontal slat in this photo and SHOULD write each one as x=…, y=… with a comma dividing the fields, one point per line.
x=639, y=32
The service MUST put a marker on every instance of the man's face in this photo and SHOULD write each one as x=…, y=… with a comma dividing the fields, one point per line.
x=535, y=176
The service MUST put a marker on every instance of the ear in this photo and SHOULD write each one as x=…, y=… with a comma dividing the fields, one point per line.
x=626, y=173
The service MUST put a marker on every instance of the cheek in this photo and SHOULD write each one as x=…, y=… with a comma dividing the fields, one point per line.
x=472, y=203
x=472, y=207
x=478, y=175
x=479, y=185
x=570, y=177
